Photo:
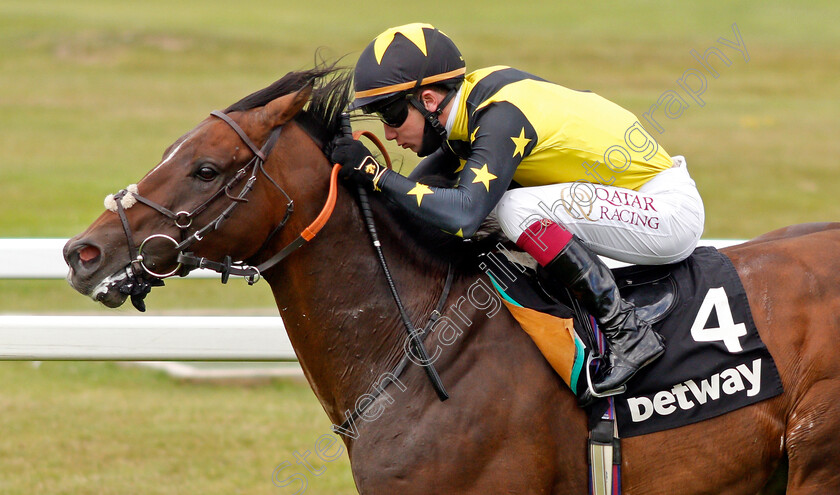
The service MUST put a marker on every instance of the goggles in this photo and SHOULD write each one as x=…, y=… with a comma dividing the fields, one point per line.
x=393, y=113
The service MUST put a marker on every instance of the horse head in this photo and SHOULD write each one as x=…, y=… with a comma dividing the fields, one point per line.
x=230, y=173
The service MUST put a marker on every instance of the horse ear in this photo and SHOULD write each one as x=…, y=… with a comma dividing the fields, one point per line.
x=282, y=109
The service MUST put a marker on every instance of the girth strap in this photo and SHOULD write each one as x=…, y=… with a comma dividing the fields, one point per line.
x=605, y=456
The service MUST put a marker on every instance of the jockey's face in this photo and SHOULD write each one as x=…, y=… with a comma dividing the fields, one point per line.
x=410, y=134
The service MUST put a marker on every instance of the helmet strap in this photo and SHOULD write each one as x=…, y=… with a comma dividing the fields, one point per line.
x=434, y=133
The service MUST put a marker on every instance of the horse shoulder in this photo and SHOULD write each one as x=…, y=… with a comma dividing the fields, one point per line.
x=508, y=424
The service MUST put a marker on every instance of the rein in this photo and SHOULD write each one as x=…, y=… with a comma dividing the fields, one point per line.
x=379, y=388
x=415, y=339
x=253, y=273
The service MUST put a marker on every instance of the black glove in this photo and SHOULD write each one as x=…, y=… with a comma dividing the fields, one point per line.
x=357, y=163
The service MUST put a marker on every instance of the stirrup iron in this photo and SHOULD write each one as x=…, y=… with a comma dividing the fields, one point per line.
x=606, y=393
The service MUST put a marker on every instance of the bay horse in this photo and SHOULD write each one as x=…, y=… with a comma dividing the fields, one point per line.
x=511, y=424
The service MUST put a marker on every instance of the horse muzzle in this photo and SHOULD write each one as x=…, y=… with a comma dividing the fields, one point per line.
x=87, y=263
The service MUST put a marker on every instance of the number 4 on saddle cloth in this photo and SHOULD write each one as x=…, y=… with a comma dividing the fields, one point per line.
x=715, y=361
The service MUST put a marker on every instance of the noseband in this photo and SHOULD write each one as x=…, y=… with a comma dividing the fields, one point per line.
x=141, y=279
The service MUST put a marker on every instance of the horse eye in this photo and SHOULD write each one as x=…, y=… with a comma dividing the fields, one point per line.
x=206, y=174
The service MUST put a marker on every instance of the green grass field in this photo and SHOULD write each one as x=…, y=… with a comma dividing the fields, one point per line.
x=100, y=428
x=93, y=91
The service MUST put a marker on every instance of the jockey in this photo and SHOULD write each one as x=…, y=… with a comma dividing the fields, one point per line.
x=568, y=174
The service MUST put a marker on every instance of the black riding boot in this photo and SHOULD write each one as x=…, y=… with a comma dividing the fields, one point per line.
x=633, y=343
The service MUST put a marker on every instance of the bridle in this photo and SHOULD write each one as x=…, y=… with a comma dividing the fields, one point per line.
x=141, y=279
x=138, y=285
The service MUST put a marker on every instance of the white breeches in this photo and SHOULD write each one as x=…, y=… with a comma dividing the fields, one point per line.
x=660, y=223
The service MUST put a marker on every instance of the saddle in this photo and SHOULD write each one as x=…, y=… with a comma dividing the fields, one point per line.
x=559, y=326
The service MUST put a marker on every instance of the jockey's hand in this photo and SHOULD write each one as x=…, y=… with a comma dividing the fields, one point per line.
x=357, y=163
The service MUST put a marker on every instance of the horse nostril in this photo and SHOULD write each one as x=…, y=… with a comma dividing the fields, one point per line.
x=88, y=254
x=82, y=257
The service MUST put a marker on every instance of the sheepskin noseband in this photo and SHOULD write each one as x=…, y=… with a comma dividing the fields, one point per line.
x=128, y=200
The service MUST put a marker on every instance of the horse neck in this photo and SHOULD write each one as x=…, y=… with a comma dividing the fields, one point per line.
x=335, y=302
x=346, y=330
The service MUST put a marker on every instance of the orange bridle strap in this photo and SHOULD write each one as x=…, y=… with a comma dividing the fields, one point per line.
x=321, y=220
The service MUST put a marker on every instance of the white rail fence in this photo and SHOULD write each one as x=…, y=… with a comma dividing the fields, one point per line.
x=125, y=338
x=133, y=338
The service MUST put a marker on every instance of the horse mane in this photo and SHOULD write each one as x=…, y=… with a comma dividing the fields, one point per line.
x=331, y=94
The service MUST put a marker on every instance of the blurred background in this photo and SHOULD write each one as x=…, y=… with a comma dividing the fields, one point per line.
x=93, y=91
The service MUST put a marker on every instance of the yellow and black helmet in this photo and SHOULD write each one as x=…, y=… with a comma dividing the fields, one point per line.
x=404, y=58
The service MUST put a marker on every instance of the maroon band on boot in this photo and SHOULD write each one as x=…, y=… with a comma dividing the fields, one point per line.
x=544, y=240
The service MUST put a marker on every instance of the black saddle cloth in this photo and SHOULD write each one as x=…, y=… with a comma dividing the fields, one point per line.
x=715, y=361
